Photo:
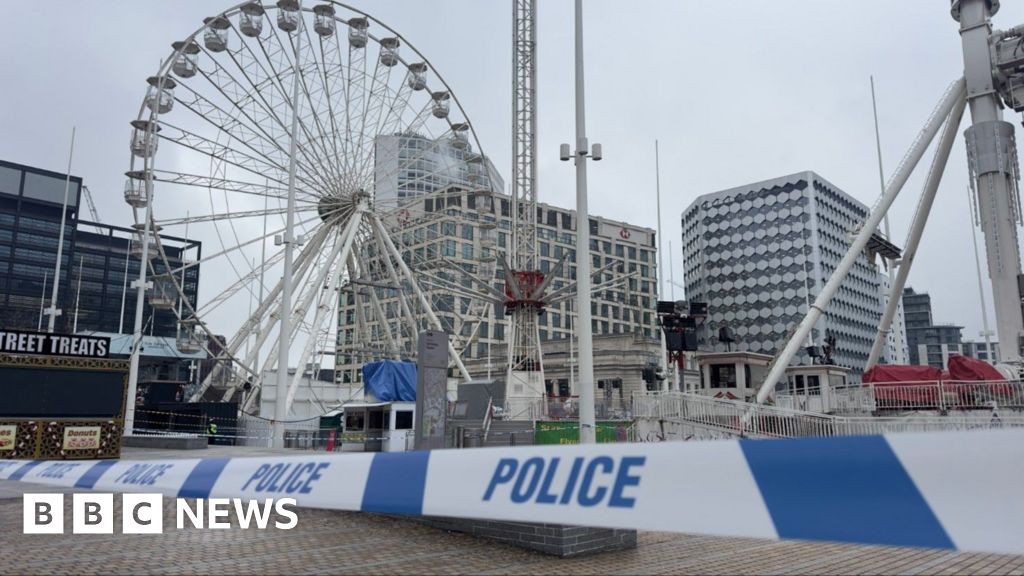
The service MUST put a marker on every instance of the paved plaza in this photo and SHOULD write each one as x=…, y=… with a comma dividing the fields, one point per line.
x=353, y=543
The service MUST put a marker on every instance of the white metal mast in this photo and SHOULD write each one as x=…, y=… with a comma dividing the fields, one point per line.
x=524, y=301
x=588, y=430
x=289, y=240
x=53, y=311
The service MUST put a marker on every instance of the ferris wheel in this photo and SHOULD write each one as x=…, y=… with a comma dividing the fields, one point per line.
x=332, y=103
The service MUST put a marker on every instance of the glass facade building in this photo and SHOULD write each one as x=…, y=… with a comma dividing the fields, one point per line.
x=759, y=254
x=102, y=255
x=411, y=165
x=94, y=258
x=31, y=202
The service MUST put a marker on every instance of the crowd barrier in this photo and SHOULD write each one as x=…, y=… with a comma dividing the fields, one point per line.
x=953, y=490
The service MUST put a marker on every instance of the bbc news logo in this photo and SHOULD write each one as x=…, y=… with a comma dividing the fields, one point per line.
x=93, y=513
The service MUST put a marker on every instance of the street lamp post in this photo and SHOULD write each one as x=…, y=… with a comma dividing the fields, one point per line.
x=583, y=285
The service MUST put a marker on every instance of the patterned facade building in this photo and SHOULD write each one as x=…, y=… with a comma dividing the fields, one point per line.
x=759, y=254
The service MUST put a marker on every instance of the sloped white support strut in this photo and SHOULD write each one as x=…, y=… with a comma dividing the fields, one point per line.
x=334, y=266
x=931, y=186
x=781, y=362
x=383, y=234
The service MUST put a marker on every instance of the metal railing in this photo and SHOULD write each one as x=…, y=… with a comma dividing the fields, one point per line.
x=563, y=409
x=753, y=420
x=941, y=395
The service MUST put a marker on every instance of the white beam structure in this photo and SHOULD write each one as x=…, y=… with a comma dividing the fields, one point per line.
x=924, y=207
x=427, y=308
x=584, y=329
x=280, y=403
x=780, y=363
x=53, y=311
x=334, y=268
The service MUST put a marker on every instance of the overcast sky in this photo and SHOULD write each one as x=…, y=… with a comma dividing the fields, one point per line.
x=735, y=90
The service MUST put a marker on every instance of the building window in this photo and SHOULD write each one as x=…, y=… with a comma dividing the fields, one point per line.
x=545, y=249
x=723, y=375
x=566, y=221
x=403, y=420
x=593, y=226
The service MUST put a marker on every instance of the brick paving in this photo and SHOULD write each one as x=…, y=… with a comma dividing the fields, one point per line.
x=330, y=542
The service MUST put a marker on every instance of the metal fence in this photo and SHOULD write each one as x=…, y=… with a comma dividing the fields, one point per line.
x=306, y=435
x=941, y=396
x=745, y=419
x=567, y=408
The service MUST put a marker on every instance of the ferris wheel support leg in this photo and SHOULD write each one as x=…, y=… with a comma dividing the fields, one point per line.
x=383, y=319
x=419, y=293
x=140, y=299
x=924, y=207
x=339, y=254
x=302, y=264
x=362, y=338
x=781, y=362
x=402, y=302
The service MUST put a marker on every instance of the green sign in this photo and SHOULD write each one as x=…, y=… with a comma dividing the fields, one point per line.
x=568, y=432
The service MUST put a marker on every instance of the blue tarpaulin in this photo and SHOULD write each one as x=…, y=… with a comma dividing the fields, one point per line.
x=390, y=381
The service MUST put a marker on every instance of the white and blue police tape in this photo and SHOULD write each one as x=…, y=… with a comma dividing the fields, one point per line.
x=954, y=490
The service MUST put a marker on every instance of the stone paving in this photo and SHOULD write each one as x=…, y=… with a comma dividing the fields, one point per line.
x=329, y=542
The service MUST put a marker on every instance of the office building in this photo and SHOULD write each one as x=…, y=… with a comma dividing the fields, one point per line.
x=471, y=229
x=929, y=343
x=31, y=202
x=102, y=255
x=411, y=165
x=981, y=350
x=95, y=292
x=759, y=254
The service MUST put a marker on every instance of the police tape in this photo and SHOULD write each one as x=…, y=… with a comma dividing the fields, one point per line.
x=953, y=490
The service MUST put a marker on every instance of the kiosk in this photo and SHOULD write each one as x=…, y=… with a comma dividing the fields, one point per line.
x=62, y=397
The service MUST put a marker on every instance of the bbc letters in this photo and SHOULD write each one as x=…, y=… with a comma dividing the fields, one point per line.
x=94, y=513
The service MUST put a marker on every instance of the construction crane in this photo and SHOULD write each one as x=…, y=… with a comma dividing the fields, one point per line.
x=93, y=214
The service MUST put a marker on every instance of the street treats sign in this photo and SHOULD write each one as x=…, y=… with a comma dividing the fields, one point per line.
x=43, y=344
x=7, y=435
x=82, y=438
